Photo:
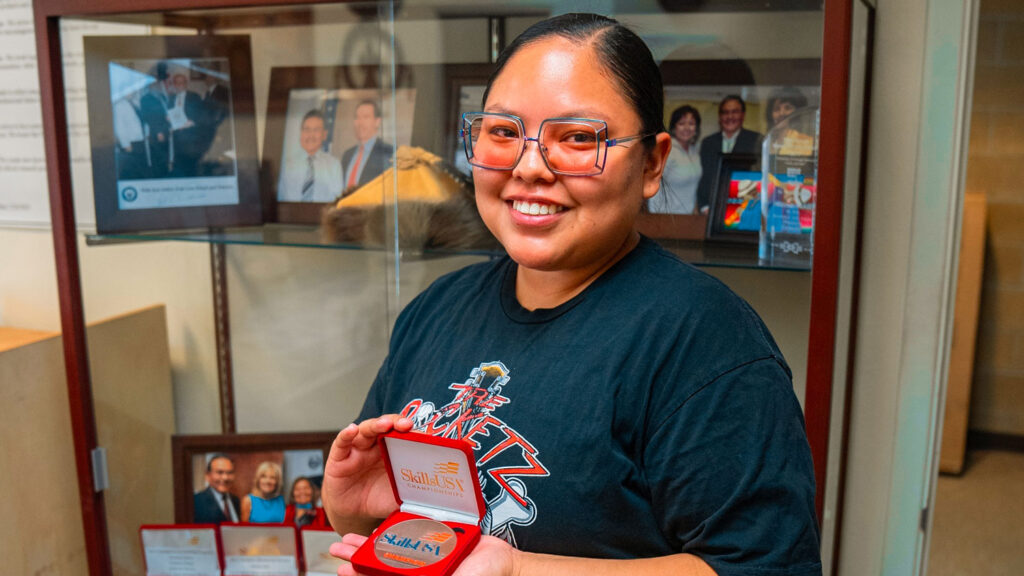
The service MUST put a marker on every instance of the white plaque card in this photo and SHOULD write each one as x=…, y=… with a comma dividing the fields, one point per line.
x=180, y=551
x=255, y=550
x=315, y=548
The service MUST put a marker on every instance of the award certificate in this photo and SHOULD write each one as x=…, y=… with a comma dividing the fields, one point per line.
x=181, y=552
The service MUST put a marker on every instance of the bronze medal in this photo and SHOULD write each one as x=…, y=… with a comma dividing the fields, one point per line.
x=414, y=543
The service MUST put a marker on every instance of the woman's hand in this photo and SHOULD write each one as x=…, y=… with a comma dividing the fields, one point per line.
x=491, y=557
x=355, y=482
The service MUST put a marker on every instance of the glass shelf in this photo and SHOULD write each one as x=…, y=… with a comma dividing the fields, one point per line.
x=695, y=252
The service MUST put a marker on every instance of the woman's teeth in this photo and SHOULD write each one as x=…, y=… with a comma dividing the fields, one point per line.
x=534, y=209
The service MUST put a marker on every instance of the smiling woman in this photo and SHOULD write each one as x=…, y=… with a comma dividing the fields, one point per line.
x=628, y=413
x=265, y=504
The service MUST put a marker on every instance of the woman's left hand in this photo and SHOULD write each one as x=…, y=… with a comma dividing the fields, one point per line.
x=491, y=557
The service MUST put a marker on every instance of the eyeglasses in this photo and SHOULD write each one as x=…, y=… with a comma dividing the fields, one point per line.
x=571, y=146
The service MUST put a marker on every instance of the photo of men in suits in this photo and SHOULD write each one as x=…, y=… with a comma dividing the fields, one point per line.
x=168, y=115
x=216, y=504
x=370, y=156
x=338, y=135
x=732, y=139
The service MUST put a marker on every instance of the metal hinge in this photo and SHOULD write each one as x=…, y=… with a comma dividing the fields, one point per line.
x=100, y=477
x=924, y=520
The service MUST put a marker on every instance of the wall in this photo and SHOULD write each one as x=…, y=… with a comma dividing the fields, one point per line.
x=995, y=168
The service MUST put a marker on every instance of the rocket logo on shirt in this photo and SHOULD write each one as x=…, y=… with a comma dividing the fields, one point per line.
x=504, y=457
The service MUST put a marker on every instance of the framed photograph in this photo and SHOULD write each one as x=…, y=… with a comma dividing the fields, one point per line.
x=172, y=132
x=735, y=214
x=762, y=92
x=298, y=454
x=323, y=137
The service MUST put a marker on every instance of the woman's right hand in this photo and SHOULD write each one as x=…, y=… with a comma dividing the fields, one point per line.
x=355, y=482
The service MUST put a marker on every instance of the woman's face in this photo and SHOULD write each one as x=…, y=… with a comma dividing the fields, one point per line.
x=267, y=482
x=589, y=218
x=782, y=110
x=302, y=493
x=685, y=130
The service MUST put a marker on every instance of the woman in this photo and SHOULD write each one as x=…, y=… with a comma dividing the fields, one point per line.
x=302, y=509
x=264, y=504
x=629, y=414
x=678, y=194
x=787, y=139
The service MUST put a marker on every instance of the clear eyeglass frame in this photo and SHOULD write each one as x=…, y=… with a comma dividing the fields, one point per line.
x=600, y=131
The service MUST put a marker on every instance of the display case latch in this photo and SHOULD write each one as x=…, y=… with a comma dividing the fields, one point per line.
x=100, y=477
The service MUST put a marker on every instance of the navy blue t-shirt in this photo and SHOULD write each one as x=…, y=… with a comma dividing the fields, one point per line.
x=652, y=414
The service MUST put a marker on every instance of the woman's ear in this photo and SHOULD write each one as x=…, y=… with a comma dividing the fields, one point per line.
x=654, y=164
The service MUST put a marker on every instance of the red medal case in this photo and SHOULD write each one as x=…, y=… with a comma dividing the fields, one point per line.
x=433, y=478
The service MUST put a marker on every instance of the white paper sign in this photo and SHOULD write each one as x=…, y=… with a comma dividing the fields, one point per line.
x=24, y=200
x=176, y=116
x=315, y=546
x=181, y=552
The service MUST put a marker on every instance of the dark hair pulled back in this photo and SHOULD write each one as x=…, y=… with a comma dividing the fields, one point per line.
x=626, y=57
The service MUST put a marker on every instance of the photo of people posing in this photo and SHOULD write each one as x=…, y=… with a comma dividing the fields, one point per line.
x=259, y=488
x=173, y=127
x=168, y=118
x=334, y=141
x=708, y=123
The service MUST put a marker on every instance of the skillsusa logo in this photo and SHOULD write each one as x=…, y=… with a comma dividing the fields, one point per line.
x=429, y=546
x=440, y=480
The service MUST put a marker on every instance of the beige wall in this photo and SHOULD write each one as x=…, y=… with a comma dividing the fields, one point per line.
x=996, y=167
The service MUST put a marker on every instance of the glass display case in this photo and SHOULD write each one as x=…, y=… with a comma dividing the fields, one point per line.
x=285, y=177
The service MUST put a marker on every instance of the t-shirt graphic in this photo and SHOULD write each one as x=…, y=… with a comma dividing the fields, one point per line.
x=504, y=456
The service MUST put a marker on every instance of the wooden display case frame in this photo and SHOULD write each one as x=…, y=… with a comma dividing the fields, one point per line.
x=825, y=282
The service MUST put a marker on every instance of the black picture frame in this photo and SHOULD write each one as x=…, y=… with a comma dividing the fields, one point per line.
x=465, y=84
x=736, y=200
x=214, y=181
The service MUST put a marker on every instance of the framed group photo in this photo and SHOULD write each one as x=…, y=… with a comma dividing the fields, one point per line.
x=718, y=192
x=172, y=132
x=296, y=455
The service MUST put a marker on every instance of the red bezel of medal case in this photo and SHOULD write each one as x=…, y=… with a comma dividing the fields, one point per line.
x=466, y=535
